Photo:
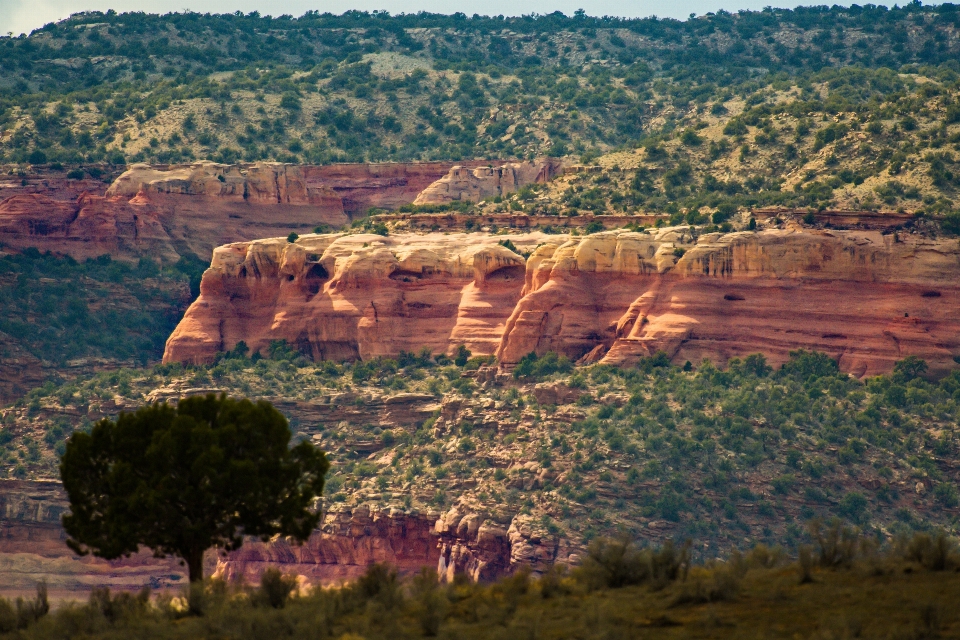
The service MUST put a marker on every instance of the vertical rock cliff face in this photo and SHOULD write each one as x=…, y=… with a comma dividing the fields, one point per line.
x=347, y=543
x=866, y=298
x=360, y=296
x=33, y=548
x=165, y=212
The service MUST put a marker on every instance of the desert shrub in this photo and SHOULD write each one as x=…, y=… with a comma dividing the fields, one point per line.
x=618, y=563
x=429, y=601
x=24, y=613
x=380, y=583
x=275, y=588
x=718, y=582
x=935, y=552
x=532, y=367
x=805, y=563
x=837, y=545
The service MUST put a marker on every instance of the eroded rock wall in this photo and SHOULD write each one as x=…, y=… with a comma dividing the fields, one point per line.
x=867, y=298
x=347, y=542
x=168, y=211
x=472, y=184
x=360, y=296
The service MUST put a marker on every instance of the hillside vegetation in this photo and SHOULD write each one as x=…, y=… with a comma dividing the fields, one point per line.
x=719, y=456
x=814, y=106
x=844, y=587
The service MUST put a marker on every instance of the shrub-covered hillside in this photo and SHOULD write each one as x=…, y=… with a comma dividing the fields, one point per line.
x=811, y=106
x=719, y=456
x=60, y=317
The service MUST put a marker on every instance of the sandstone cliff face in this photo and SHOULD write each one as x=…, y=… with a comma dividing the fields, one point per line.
x=360, y=296
x=472, y=185
x=866, y=298
x=347, y=543
x=33, y=548
x=165, y=212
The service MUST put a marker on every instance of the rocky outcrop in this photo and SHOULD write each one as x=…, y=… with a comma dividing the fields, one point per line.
x=867, y=298
x=165, y=212
x=347, y=543
x=477, y=545
x=33, y=548
x=467, y=184
x=360, y=296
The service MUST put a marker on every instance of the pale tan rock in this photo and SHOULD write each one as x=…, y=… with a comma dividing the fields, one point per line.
x=466, y=184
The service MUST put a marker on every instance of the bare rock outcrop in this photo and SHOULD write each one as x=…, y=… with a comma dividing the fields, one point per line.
x=467, y=184
x=348, y=541
x=168, y=211
x=866, y=298
x=356, y=296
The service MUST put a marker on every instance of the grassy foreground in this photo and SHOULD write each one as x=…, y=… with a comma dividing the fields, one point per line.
x=843, y=588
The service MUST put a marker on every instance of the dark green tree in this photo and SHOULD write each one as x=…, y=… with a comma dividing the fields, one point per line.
x=909, y=368
x=180, y=480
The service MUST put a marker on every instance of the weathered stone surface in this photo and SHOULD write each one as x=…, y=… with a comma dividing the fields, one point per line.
x=360, y=296
x=348, y=540
x=33, y=548
x=346, y=544
x=867, y=298
x=467, y=184
x=165, y=212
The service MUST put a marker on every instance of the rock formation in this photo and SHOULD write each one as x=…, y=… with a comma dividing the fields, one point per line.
x=472, y=185
x=33, y=548
x=355, y=296
x=348, y=540
x=165, y=212
x=867, y=298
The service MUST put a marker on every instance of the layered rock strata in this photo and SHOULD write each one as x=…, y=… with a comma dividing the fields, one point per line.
x=866, y=298
x=33, y=548
x=357, y=296
x=467, y=184
x=348, y=541
x=165, y=212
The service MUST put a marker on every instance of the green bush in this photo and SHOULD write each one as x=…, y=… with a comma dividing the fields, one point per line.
x=532, y=367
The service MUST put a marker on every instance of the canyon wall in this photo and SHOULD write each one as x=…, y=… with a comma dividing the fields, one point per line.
x=355, y=296
x=33, y=548
x=865, y=297
x=347, y=541
x=465, y=538
x=473, y=185
x=168, y=211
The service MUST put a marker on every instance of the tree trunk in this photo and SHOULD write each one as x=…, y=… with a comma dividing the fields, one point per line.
x=194, y=560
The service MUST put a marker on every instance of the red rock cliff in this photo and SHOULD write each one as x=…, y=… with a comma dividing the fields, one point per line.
x=165, y=212
x=359, y=296
x=867, y=299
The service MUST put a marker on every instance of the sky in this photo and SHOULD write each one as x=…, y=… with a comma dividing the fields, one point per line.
x=22, y=16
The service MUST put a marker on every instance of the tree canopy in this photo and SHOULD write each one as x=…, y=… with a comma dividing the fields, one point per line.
x=182, y=479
